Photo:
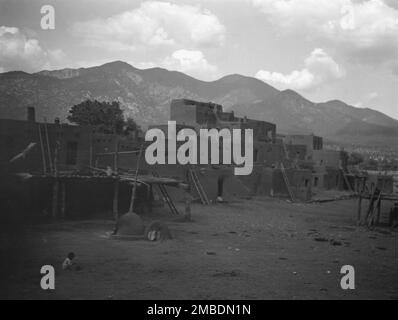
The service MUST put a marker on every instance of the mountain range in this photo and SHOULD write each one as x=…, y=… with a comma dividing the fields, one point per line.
x=145, y=95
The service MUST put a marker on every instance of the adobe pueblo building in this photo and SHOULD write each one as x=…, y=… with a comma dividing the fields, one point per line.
x=67, y=169
x=285, y=166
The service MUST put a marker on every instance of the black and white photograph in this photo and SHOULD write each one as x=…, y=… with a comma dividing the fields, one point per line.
x=202, y=156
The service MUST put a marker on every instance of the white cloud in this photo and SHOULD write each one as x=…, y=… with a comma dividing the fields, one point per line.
x=20, y=52
x=295, y=80
x=153, y=24
x=192, y=62
x=373, y=96
x=289, y=13
x=366, y=30
x=146, y=65
x=319, y=68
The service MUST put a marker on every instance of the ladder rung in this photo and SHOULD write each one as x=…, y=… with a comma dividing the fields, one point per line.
x=166, y=196
x=199, y=188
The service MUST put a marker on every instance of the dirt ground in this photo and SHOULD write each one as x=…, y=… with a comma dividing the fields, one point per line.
x=257, y=249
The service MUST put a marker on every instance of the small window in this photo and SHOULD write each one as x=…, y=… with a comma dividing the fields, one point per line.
x=71, y=153
x=316, y=181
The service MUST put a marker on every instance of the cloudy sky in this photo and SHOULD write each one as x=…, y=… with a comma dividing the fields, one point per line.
x=324, y=49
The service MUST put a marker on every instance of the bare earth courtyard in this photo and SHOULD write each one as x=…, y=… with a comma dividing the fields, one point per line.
x=258, y=249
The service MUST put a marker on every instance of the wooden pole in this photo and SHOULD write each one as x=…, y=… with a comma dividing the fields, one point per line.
x=116, y=156
x=377, y=209
x=91, y=148
x=378, y=212
x=359, y=209
x=188, y=197
x=55, y=198
x=371, y=203
x=131, y=210
x=57, y=146
x=63, y=200
x=48, y=146
x=116, y=200
x=43, y=154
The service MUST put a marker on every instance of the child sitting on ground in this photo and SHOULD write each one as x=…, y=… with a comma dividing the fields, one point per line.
x=69, y=264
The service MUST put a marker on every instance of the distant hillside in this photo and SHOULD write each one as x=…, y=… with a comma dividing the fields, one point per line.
x=146, y=95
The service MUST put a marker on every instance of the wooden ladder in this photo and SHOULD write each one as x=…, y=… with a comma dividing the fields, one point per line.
x=166, y=196
x=287, y=182
x=285, y=150
x=373, y=215
x=346, y=180
x=199, y=188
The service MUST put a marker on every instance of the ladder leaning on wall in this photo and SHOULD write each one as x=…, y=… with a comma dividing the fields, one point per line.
x=346, y=179
x=198, y=187
x=285, y=177
x=285, y=150
x=166, y=196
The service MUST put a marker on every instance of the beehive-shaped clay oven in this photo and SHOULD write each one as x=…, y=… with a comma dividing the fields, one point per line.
x=130, y=224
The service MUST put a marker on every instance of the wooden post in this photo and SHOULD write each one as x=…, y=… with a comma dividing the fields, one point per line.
x=55, y=198
x=371, y=203
x=63, y=200
x=378, y=212
x=116, y=156
x=48, y=146
x=55, y=164
x=116, y=200
x=43, y=154
x=131, y=210
x=359, y=209
x=188, y=197
x=91, y=148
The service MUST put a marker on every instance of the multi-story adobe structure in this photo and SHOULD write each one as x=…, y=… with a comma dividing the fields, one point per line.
x=57, y=146
x=210, y=115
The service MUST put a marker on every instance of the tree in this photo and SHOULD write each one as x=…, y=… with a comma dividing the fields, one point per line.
x=130, y=126
x=104, y=117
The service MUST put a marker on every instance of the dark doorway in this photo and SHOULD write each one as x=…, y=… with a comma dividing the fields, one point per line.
x=220, y=186
x=71, y=153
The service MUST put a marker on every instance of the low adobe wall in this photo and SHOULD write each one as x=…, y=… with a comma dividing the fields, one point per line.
x=270, y=182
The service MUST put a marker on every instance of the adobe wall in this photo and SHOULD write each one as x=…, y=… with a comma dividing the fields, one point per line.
x=297, y=151
x=259, y=182
x=183, y=113
x=330, y=158
x=270, y=182
x=262, y=130
x=385, y=183
x=299, y=180
x=268, y=154
x=16, y=135
x=306, y=140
